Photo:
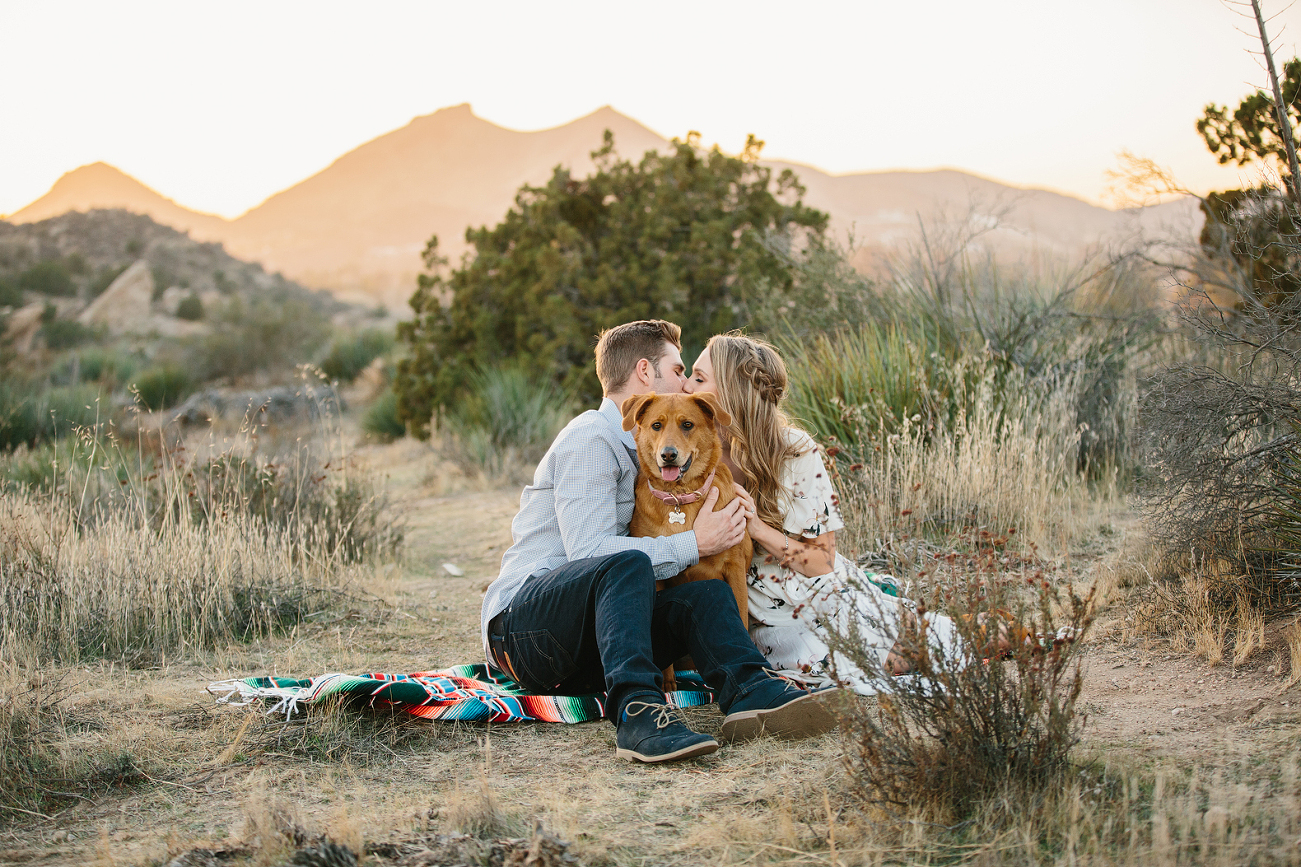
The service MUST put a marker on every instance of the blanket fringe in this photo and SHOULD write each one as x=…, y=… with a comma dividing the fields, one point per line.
x=239, y=693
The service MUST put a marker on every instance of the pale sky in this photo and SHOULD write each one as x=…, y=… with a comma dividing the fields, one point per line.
x=219, y=105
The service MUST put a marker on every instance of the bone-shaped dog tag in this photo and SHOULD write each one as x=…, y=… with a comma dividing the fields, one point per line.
x=677, y=516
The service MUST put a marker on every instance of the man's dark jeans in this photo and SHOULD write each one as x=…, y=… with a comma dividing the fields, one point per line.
x=599, y=624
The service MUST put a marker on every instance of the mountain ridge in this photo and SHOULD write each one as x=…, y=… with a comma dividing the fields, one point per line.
x=357, y=226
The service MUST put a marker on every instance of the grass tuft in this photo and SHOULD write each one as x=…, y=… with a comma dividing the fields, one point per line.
x=505, y=425
x=38, y=774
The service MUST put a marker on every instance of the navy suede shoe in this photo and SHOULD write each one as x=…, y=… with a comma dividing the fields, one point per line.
x=785, y=711
x=653, y=732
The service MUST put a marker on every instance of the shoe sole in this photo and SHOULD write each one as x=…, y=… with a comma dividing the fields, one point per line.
x=703, y=748
x=813, y=714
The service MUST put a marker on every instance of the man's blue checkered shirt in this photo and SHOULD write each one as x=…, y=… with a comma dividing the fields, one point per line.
x=579, y=506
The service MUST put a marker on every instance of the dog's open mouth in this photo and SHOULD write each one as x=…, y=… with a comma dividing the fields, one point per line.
x=673, y=472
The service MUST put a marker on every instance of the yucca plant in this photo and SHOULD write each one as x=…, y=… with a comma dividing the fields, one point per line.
x=869, y=376
x=506, y=423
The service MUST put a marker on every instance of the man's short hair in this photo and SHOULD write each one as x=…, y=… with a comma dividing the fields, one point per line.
x=619, y=349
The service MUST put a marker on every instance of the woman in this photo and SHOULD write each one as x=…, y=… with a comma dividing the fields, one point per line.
x=799, y=584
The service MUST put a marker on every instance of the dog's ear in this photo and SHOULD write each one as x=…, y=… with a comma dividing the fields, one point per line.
x=709, y=403
x=633, y=408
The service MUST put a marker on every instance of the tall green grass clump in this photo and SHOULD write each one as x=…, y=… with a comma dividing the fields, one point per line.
x=381, y=420
x=33, y=413
x=925, y=339
x=993, y=467
x=351, y=355
x=963, y=393
x=506, y=422
x=109, y=367
x=162, y=386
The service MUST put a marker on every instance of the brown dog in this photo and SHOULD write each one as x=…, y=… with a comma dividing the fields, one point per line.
x=680, y=451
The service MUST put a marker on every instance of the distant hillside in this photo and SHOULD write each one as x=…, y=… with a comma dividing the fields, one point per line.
x=884, y=210
x=358, y=226
x=112, y=301
x=90, y=246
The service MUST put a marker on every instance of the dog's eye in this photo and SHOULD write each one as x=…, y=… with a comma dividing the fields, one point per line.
x=686, y=425
x=656, y=426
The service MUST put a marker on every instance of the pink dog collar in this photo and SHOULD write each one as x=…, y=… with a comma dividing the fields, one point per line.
x=683, y=499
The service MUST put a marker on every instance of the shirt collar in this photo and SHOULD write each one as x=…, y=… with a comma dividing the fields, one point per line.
x=615, y=418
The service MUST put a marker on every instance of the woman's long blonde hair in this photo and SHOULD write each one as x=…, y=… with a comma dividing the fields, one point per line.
x=751, y=380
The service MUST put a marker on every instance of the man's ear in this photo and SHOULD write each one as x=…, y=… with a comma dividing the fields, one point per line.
x=633, y=407
x=644, y=371
x=709, y=403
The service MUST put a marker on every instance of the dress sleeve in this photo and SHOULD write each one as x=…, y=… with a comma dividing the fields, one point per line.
x=808, y=499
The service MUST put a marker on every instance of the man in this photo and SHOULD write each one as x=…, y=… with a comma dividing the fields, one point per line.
x=575, y=609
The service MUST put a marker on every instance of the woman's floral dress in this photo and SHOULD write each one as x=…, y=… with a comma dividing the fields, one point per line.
x=792, y=611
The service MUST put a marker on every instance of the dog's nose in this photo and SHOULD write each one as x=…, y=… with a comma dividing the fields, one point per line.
x=669, y=455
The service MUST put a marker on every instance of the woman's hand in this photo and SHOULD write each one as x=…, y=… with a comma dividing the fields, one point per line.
x=752, y=522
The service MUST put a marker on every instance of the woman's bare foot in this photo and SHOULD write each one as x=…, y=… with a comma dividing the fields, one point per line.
x=896, y=663
x=1001, y=645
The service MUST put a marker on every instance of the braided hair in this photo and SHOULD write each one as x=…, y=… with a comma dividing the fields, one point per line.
x=752, y=382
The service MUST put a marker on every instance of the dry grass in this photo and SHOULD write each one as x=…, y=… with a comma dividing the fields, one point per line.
x=137, y=593
x=1203, y=609
x=339, y=731
x=1292, y=635
x=1170, y=816
x=142, y=563
x=50, y=754
x=472, y=807
x=991, y=472
x=406, y=794
x=179, y=548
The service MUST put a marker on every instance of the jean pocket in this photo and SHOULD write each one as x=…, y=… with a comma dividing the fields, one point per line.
x=539, y=661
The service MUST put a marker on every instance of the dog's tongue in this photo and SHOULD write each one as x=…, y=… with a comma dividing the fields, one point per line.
x=670, y=474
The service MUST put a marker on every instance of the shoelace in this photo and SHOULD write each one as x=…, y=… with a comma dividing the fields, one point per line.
x=790, y=679
x=664, y=714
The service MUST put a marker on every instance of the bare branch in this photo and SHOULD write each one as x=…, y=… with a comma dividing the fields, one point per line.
x=1280, y=110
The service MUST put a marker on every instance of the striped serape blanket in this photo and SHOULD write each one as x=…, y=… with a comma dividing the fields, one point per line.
x=476, y=693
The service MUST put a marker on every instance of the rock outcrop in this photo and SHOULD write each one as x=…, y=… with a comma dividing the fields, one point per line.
x=23, y=326
x=125, y=306
x=272, y=406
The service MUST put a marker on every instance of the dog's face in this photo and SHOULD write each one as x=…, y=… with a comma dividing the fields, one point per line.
x=677, y=434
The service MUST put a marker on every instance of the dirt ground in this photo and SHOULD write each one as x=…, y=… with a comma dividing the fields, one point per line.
x=212, y=775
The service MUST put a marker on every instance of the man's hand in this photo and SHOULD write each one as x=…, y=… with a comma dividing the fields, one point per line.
x=718, y=531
